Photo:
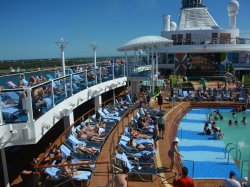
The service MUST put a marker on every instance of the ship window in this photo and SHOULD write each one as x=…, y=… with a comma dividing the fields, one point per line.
x=180, y=37
x=225, y=38
x=214, y=38
x=188, y=38
x=174, y=39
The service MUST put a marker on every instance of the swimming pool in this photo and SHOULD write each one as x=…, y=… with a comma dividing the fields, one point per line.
x=206, y=153
x=236, y=134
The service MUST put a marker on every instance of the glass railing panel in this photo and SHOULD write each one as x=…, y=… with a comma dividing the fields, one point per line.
x=12, y=109
x=60, y=90
x=140, y=71
x=106, y=73
x=42, y=98
x=80, y=80
x=119, y=71
x=91, y=78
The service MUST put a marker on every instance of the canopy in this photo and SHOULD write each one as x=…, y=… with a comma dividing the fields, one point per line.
x=145, y=42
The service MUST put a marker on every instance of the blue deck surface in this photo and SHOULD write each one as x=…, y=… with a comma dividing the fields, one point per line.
x=207, y=153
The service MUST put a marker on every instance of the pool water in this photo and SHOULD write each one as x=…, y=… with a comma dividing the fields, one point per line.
x=203, y=155
x=237, y=134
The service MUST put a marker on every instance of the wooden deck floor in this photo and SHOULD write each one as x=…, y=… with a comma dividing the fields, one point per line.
x=161, y=158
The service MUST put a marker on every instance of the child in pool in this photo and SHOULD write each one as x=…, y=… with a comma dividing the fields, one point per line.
x=244, y=121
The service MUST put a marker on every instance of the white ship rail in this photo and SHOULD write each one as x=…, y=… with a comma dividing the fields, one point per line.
x=24, y=105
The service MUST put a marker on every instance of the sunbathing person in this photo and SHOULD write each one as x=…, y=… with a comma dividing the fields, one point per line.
x=83, y=135
x=68, y=171
x=21, y=82
x=32, y=81
x=93, y=132
x=136, y=134
x=142, y=124
x=85, y=149
x=140, y=146
x=55, y=154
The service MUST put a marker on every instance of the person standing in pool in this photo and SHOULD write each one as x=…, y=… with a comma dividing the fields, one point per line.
x=244, y=121
x=231, y=182
x=173, y=152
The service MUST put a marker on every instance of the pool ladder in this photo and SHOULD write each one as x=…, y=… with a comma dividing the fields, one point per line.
x=235, y=147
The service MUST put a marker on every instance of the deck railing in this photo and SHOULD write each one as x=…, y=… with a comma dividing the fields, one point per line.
x=21, y=105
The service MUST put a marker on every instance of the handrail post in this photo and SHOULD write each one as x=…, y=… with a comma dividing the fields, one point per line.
x=52, y=93
x=71, y=86
x=113, y=71
x=100, y=74
x=30, y=107
x=86, y=78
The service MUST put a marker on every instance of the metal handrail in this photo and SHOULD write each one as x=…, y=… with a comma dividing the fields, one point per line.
x=192, y=166
x=242, y=164
x=237, y=150
x=235, y=146
x=181, y=132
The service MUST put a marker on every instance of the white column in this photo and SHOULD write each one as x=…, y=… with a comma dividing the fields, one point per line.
x=153, y=67
x=95, y=58
x=166, y=22
x=5, y=170
x=157, y=65
x=126, y=63
x=63, y=62
x=98, y=102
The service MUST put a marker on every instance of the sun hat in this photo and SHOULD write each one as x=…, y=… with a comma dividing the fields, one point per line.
x=176, y=140
x=232, y=173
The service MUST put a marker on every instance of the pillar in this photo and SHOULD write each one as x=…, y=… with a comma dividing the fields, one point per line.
x=5, y=170
x=98, y=102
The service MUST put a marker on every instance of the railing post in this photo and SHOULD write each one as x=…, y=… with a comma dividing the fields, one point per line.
x=86, y=78
x=96, y=76
x=100, y=74
x=30, y=107
x=124, y=69
x=52, y=93
x=71, y=86
x=113, y=71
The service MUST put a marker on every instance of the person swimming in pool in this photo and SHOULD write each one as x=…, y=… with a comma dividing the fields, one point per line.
x=218, y=134
x=236, y=122
x=233, y=115
x=244, y=120
x=230, y=123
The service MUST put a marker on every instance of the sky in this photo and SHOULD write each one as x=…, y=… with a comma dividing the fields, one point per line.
x=30, y=28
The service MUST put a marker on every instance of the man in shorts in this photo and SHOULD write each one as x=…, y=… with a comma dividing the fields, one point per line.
x=161, y=126
x=120, y=180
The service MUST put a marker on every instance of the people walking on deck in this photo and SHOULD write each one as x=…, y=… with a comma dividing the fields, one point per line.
x=173, y=152
x=184, y=181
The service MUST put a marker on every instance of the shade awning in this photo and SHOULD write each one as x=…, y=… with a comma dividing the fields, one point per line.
x=145, y=42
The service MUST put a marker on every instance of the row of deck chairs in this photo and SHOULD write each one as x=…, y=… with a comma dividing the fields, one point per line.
x=210, y=95
x=72, y=143
x=140, y=163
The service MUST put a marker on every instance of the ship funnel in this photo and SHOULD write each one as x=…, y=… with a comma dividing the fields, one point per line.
x=232, y=8
x=166, y=22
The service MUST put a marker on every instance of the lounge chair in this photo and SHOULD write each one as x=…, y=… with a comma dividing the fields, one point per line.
x=103, y=115
x=144, y=173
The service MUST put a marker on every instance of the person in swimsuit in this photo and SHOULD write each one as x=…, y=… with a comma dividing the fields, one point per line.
x=173, y=152
x=139, y=146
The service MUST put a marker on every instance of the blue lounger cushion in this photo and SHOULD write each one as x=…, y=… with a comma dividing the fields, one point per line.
x=53, y=172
